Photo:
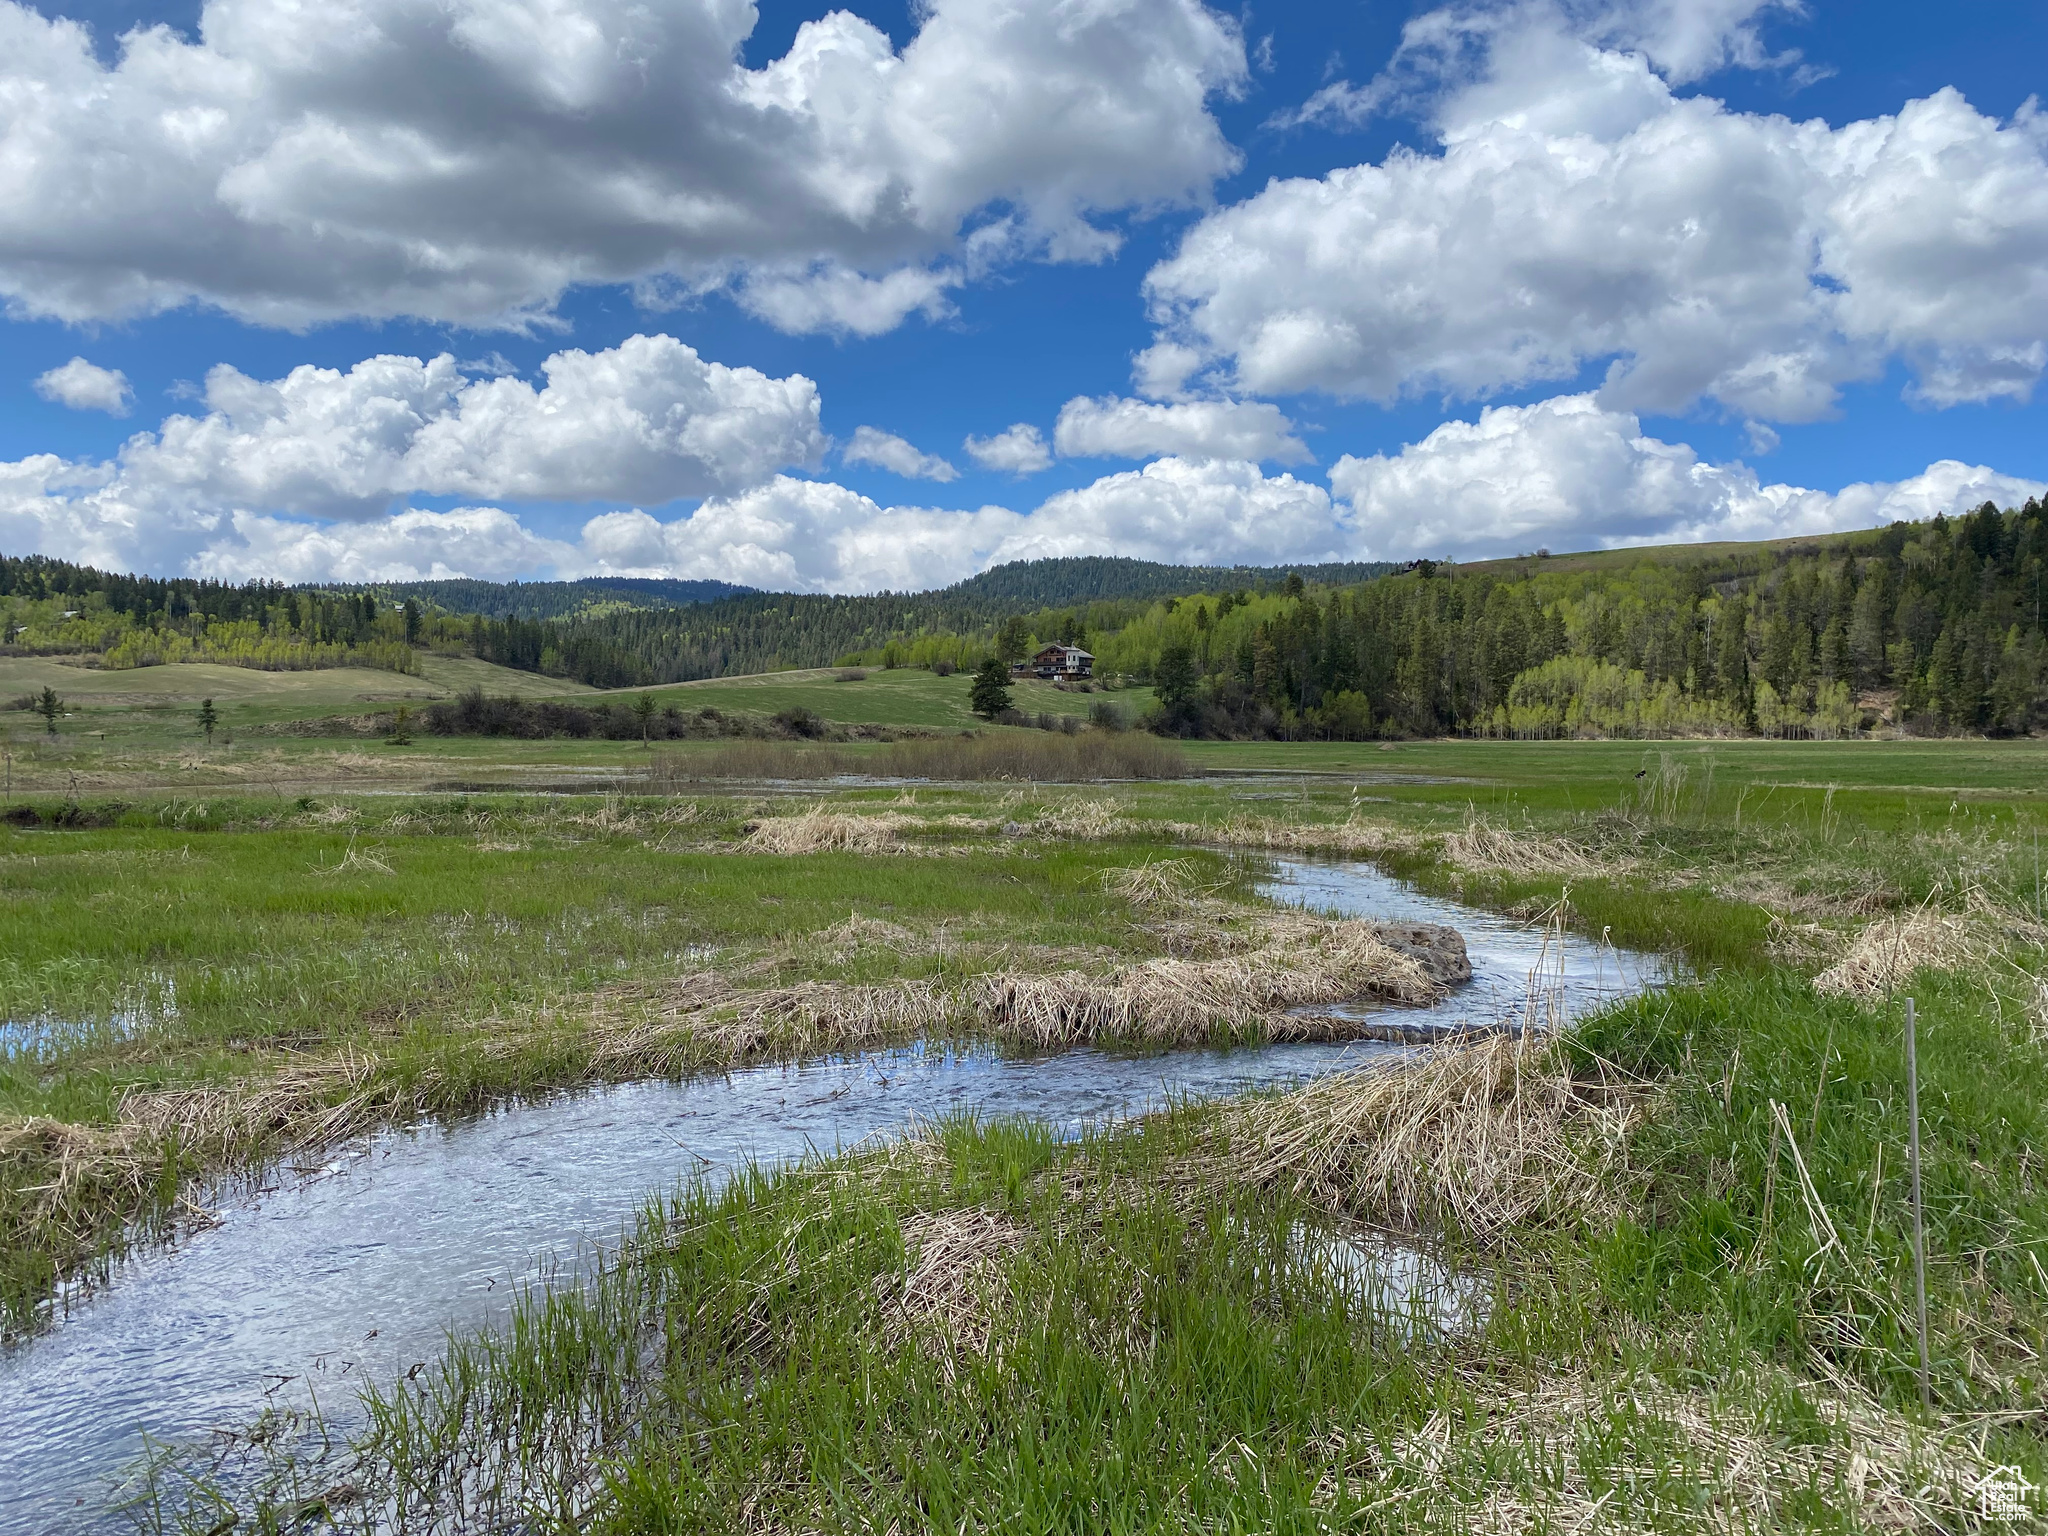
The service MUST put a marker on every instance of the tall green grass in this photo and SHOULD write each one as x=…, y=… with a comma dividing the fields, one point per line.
x=1773, y=1215
x=1124, y=1348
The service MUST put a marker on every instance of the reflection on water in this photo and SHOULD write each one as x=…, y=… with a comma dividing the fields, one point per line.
x=45, y=1035
x=358, y=1266
x=1519, y=973
x=1419, y=1297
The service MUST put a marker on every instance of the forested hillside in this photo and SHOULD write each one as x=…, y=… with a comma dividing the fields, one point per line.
x=766, y=631
x=1025, y=585
x=52, y=608
x=1933, y=627
x=544, y=599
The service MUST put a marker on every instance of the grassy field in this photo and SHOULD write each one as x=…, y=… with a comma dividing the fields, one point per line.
x=1688, y=1213
x=317, y=732
x=158, y=706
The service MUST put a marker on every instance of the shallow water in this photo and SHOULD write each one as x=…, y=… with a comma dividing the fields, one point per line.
x=360, y=1266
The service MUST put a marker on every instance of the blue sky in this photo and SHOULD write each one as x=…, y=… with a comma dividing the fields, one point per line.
x=1860, y=339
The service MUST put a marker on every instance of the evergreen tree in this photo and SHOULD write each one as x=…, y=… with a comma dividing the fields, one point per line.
x=1013, y=639
x=1731, y=653
x=643, y=710
x=989, y=695
x=49, y=706
x=209, y=717
x=1174, y=680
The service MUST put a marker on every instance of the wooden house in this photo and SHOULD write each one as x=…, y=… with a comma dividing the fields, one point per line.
x=1062, y=664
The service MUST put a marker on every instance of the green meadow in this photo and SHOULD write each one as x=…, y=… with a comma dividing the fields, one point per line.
x=1686, y=1218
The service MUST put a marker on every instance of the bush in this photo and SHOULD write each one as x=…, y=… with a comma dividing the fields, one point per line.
x=850, y=675
x=473, y=714
x=1105, y=716
x=798, y=721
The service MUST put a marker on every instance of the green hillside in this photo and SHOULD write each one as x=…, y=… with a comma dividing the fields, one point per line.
x=545, y=599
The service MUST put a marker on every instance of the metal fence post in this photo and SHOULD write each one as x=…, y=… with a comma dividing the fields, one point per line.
x=1919, y=1227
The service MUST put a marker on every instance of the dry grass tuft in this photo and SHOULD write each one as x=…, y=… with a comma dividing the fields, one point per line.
x=821, y=831
x=1486, y=849
x=1090, y=819
x=78, y=1171
x=954, y=1295
x=858, y=933
x=1482, y=1137
x=1564, y=1434
x=354, y=862
x=1179, y=1002
x=1884, y=956
x=1355, y=835
x=818, y=1016
x=611, y=815
x=1156, y=883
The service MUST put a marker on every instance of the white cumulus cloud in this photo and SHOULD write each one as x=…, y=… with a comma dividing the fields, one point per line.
x=1569, y=474
x=84, y=386
x=1579, y=211
x=647, y=420
x=1115, y=427
x=885, y=450
x=1019, y=450
x=487, y=543
x=805, y=536
x=1190, y=512
x=467, y=160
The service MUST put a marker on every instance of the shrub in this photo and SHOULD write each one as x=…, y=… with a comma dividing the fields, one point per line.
x=799, y=721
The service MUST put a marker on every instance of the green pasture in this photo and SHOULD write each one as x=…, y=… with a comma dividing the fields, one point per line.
x=159, y=705
x=238, y=937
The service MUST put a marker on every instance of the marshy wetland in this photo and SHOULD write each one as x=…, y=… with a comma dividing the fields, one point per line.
x=289, y=1069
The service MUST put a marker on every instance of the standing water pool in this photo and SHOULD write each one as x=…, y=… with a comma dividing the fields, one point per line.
x=358, y=1267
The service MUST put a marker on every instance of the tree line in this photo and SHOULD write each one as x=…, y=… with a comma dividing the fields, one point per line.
x=1935, y=627
x=610, y=642
x=53, y=608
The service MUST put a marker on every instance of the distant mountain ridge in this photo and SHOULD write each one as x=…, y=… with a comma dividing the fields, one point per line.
x=1020, y=586
x=544, y=599
x=1060, y=582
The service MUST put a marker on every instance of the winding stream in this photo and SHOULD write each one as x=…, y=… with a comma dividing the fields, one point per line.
x=361, y=1266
